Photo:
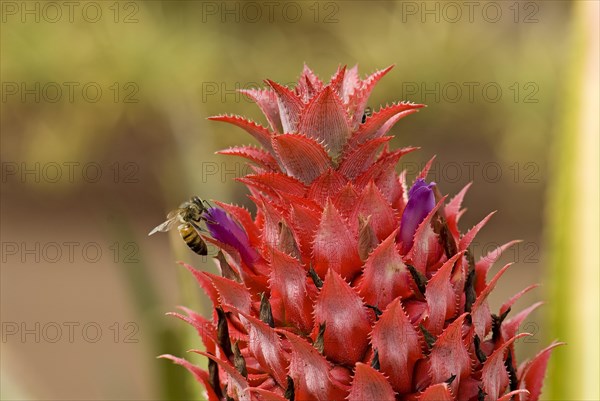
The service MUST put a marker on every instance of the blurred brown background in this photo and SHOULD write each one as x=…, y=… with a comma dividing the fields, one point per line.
x=104, y=129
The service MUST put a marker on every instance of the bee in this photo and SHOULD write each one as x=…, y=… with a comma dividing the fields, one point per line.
x=188, y=215
x=368, y=113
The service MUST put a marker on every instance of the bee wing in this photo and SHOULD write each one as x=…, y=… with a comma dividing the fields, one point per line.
x=166, y=226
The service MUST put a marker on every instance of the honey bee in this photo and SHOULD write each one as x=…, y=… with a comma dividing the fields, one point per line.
x=368, y=113
x=188, y=215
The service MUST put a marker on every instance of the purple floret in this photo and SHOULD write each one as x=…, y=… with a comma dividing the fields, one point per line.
x=421, y=200
x=226, y=230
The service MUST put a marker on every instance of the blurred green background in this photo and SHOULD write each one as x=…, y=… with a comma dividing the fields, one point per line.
x=104, y=129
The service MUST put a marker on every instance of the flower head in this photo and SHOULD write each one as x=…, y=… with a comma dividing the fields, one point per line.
x=330, y=299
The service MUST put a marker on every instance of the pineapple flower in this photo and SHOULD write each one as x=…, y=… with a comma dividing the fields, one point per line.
x=343, y=286
x=421, y=200
x=224, y=229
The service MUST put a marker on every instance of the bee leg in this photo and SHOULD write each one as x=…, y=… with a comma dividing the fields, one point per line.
x=204, y=219
x=197, y=227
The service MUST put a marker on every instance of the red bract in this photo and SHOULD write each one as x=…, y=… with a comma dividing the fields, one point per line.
x=345, y=285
